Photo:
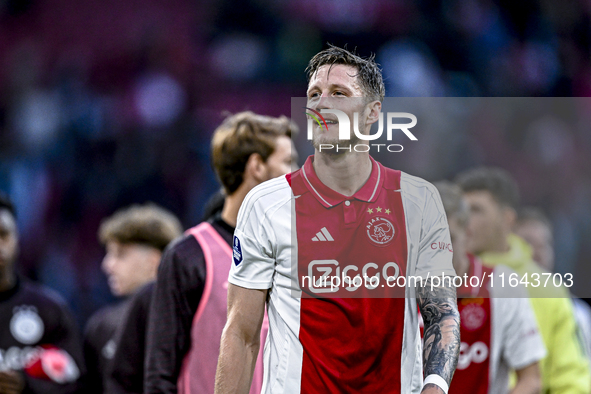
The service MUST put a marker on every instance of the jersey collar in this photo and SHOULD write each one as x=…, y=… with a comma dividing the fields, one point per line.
x=476, y=269
x=329, y=198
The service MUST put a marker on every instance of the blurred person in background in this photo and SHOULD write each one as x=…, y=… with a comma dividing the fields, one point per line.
x=188, y=310
x=499, y=332
x=535, y=227
x=134, y=239
x=40, y=348
x=493, y=195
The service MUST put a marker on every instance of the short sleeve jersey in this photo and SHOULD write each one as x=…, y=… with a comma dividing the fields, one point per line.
x=498, y=330
x=355, y=336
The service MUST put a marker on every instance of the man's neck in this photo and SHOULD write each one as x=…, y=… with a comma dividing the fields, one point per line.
x=345, y=173
x=463, y=265
x=501, y=246
x=7, y=279
x=232, y=206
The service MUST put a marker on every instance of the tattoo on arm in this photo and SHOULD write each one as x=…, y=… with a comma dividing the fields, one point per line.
x=442, y=330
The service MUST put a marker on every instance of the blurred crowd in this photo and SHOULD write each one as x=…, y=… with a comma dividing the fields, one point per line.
x=103, y=104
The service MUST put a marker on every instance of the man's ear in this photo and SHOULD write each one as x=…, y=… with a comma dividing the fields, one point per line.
x=156, y=257
x=375, y=108
x=255, y=168
x=509, y=218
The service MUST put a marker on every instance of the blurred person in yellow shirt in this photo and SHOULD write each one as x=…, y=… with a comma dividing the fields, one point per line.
x=493, y=195
x=534, y=227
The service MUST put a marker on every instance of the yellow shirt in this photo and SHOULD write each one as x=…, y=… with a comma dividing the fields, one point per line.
x=566, y=368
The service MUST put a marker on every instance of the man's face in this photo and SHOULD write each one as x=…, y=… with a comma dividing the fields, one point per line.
x=129, y=266
x=8, y=239
x=539, y=236
x=336, y=87
x=457, y=232
x=279, y=162
x=486, y=227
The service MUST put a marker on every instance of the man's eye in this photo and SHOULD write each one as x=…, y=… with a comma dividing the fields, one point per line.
x=313, y=95
x=339, y=93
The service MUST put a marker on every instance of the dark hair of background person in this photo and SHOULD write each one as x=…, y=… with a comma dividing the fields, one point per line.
x=498, y=182
x=533, y=214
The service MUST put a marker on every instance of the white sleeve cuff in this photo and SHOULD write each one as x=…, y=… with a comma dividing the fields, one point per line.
x=438, y=381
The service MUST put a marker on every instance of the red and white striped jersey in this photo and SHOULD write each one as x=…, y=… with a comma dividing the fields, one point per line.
x=350, y=338
x=499, y=332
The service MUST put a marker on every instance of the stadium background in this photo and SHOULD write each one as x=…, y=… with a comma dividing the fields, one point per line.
x=103, y=104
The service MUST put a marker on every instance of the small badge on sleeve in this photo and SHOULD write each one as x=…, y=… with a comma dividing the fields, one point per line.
x=237, y=251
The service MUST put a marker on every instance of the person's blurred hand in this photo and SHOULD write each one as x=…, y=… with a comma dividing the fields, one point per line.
x=11, y=382
x=432, y=389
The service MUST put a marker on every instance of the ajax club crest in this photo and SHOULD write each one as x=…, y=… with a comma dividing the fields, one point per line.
x=472, y=316
x=380, y=230
x=26, y=326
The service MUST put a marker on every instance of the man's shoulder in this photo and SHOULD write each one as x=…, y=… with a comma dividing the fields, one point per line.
x=271, y=189
x=417, y=190
x=506, y=285
x=184, y=245
x=107, y=318
x=143, y=296
x=549, y=286
x=415, y=183
x=182, y=259
x=265, y=196
x=36, y=293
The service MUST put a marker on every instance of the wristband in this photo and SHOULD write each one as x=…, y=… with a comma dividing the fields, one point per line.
x=438, y=381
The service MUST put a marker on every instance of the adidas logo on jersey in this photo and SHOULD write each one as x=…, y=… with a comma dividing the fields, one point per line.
x=323, y=235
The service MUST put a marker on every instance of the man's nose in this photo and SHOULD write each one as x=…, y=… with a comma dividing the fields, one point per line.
x=320, y=102
x=107, y=264
x=324, y=101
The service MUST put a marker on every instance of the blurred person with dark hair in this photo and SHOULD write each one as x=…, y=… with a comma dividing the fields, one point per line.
x=535, y=227
x=498, y=326
x=341, y=207
x=189, y=305
x=134, y=238
x=493, y=195
x=40, y=348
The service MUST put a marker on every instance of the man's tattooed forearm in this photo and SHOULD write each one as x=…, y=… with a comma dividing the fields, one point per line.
x=441, y=341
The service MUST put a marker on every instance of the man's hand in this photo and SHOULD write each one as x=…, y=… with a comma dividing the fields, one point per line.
x=11, y=382
x=240, y=340
x=431, y=388
x=441, y=340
